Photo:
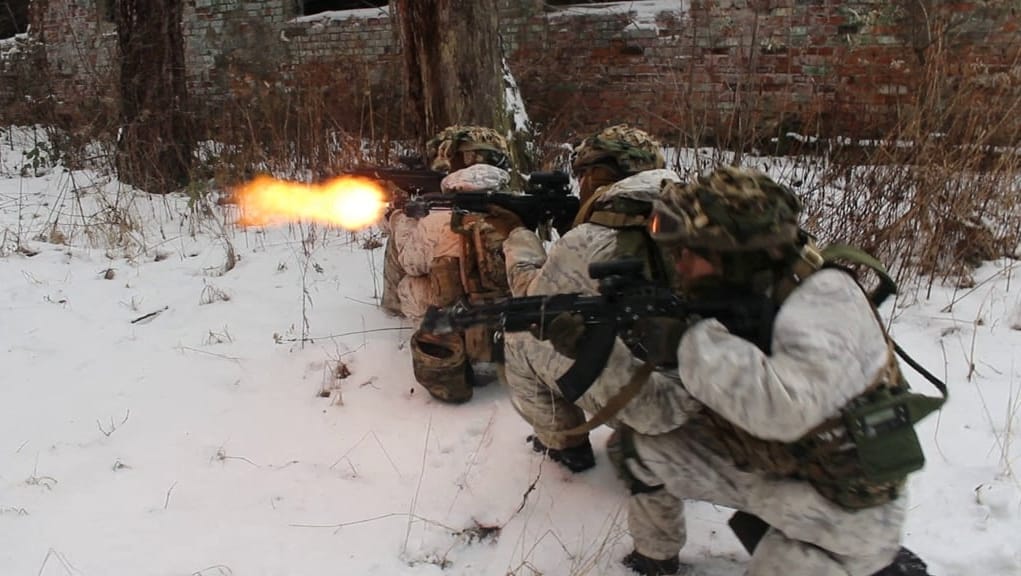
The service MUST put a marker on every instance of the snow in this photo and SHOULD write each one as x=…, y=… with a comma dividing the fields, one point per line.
x=166, y=419
x=643, y=13
x=9, y=47
x=353, y=14
x=515, y=103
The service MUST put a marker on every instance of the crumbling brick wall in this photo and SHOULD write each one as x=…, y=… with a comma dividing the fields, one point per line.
x=720, y=67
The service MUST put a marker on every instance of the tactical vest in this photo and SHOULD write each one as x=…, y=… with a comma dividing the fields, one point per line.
x=628, y=217
x=861, y=457
x=483, y=274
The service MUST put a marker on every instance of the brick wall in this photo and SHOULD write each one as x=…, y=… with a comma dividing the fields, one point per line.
x=75, y=50
x=19, y=55
x=709, y=67
x=849, y=67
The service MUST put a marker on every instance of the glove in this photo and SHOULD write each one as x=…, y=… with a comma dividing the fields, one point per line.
x=503, y=220
x=565, y=333
x=658, y=337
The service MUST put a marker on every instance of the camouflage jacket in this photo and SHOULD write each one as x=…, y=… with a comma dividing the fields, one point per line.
x=421, y=240
x=827, y=348
x=527, y=269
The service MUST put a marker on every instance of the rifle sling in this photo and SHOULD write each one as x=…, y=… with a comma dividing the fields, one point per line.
x=615, y=404
x=936, y=382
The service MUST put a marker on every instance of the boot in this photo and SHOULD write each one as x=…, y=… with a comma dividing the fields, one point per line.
x=576, y=458
x=650, y=567
x=906, y=563
x=749, y=529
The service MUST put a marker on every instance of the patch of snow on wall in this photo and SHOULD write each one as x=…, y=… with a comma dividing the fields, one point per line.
x=643, y=12
x=335, y=15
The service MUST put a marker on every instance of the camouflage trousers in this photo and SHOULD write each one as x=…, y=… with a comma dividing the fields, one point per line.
x=534, y=392
x=404, y=294
x=810, y=536
x=392, y=276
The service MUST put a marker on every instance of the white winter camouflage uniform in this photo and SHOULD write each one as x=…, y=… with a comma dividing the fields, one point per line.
x=532, y=366
x=419, y=241
x=827, y=348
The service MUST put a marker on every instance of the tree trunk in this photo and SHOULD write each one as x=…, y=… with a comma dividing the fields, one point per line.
x=454, y=67
x=13, y=17
x=154, y=150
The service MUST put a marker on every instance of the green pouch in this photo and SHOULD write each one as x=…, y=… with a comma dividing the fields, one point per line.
x=882, y=429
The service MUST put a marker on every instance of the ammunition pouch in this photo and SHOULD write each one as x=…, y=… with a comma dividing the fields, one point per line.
x=750, y=452
x=484, y=270
x=441, y=366
x=863, y=459
x=484, y=278
x=481, y=346
x=445, y=279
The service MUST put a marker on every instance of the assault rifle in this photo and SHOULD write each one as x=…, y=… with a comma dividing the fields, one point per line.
x=547, y=200
x=625, y=297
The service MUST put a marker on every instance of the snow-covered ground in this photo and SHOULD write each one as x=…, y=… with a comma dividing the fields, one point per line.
x=159, y=414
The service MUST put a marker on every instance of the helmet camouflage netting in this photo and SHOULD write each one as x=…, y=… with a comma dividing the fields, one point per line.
x=476, y=144
x=628, y=149
x=732, y=209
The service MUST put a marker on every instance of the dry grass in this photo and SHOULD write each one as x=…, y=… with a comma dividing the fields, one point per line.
x=939, y=193
x=293, y=124
x=932, y=198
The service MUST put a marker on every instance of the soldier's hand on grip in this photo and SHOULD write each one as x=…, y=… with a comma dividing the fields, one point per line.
x=658, y=337
x=565, y=332
x=503, y=220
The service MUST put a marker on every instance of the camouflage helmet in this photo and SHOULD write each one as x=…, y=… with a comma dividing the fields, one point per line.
x=477, y=144
x=629, y=149
x=728, y=210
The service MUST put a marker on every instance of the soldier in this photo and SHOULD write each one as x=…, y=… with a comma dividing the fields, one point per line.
x=429, y=262
x=621, y=171
x=599, y=160
x=771, y=439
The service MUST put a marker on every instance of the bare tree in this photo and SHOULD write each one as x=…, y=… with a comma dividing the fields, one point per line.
x=454, y=67
x=154, y=150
